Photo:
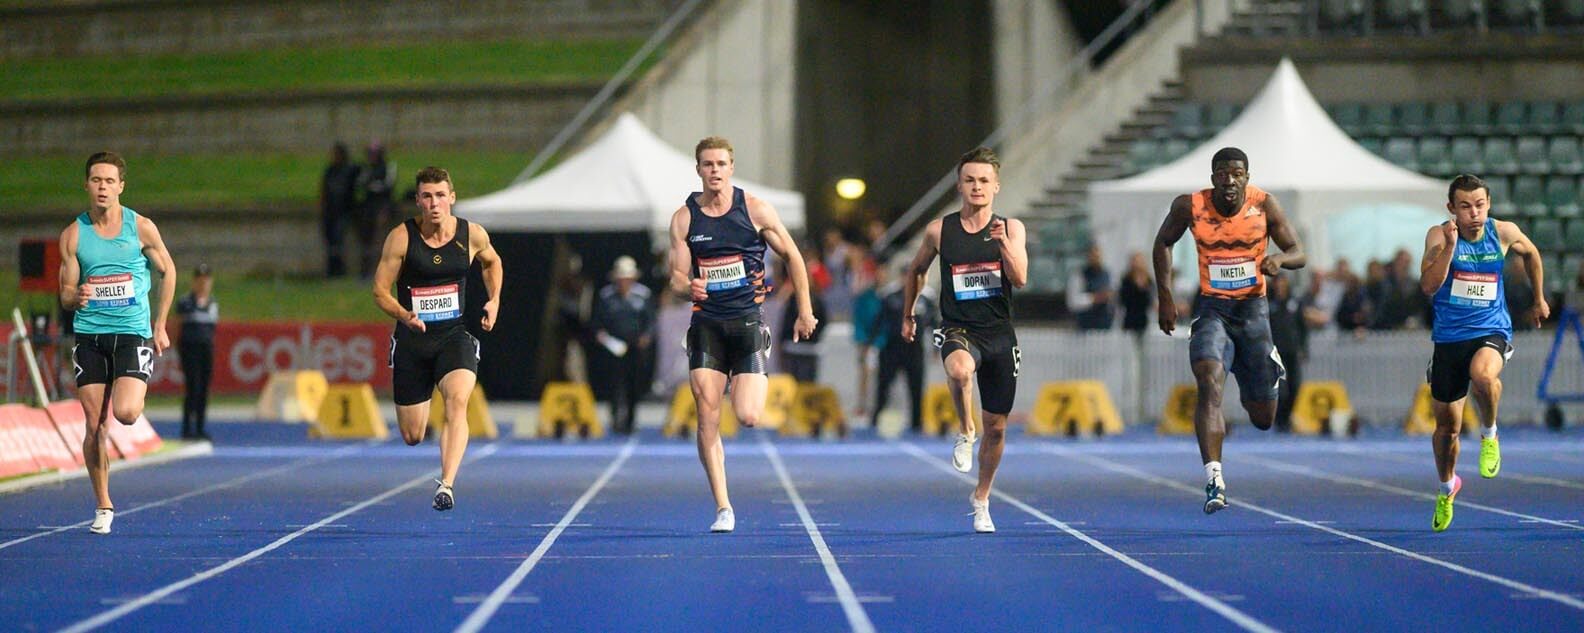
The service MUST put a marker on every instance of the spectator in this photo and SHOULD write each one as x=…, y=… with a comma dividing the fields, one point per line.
x=1352, y=312
x=841, y=260
x=376, y=182
x=1315, y=317
x=1380, y=296
x=1137, y=295
x=1290, y=333
x=573, y=306
x=1089, y=294
x=337, y=204
x=1410, y=300
x=866, y=338
x=624, y=320
x=198, y=313
x=898, y=355
x=801, y=358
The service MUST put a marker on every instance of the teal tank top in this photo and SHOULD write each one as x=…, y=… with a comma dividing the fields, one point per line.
x=117, y=274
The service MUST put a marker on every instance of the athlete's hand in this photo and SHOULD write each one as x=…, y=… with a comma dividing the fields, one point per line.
x=161, y=341
x=83, y=294
x=414, y=323
x=998, y=230
x=909, y=328
x=1449, y=230
x=697, y=289
x=1270, y=266
x=804, y=327
x=1540, y=311
x=1166, y=312
x=490, y=308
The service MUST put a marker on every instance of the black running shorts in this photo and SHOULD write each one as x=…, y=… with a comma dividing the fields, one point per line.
x=133, y=357
x=1237, y=333
x=1448, y=372
x=419, y=360
x=730, y=346
x=997, y=361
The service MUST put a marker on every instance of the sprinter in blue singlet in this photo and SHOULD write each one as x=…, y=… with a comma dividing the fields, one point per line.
x=1462, y=270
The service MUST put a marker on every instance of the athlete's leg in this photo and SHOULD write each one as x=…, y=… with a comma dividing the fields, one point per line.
x=960, y=367
x=1444, y=442
x=126, y=399
x=1209, y=424
x=1485, y=383
x=748, y=393
x=96, y=456
x=994, y=439
x=708, y=385
x=455, y=389
x=1261, y=412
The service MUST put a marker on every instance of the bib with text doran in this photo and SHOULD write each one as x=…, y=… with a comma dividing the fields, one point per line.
x=1473, y=289
x=976, y=281
x=437, y=303
x=111, y=291
x=1232, y=273
x=723, y=273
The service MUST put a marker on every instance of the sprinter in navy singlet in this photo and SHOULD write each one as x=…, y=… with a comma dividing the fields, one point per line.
x=427, y=259
x=718, y=242
x=1472, y=330
x=982, y=258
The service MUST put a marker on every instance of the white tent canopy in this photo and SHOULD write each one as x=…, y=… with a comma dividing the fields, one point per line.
x=627, y=180
x=1295, y=152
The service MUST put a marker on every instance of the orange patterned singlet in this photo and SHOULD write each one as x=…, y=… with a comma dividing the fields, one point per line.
x=1231, y=249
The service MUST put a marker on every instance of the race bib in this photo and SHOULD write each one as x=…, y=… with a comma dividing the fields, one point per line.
x=1233, y=273
x=1473, y=289
x=111, y=291
x=723, y=273
x=976, y=281
x=437, y=303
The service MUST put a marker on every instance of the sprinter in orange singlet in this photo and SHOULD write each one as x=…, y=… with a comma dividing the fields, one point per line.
x=1231, y=223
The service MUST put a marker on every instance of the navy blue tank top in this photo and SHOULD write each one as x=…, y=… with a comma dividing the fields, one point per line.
x=729, y=254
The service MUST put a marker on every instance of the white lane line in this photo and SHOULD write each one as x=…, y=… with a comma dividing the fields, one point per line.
x=857, y=618
x=62, y=476
x=1316, y=473
x=1505, y=582
x=1528, y=479
x=205, y=490
x=1241, y=619
x=161, y=593
x=478, y=598
x=486, y=609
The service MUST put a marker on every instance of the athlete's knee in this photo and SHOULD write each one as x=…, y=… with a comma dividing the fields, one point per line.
x=750, y=416
x=1261, y=414
x=1485, y=384
x=127, y=413
x=959, y=370
x=994, y=427
x=412, y=436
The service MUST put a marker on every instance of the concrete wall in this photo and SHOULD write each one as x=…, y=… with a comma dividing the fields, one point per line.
x=731, y=74
x=1035, y=43
x=200, y=26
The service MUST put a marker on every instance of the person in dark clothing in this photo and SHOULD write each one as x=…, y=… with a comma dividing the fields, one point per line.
x=377, y=183
x=901, y=356
x=337, y=202
x=1136, y=295
x=198, y=312
x=624, y=319
x=1089, y=294
x=1291, y=336
x=800, y=356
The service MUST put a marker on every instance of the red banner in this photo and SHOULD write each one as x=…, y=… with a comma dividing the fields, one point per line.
x=246, y=353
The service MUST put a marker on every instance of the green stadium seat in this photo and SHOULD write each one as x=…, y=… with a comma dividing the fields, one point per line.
x=1552, y=261
x=1445, y=119
x=1435, y=157
x=1502, y=205
x=1562, y=196
x=1565, y=156
x=1573, y=239
x=1477, y=118
x=1530, y=151
x=1188, y=120
x=1512, y=117
x=1221, y=115
x=1466, y=156
x=1413, y=118
x=1545, y=117
x=1379, y=119
x=1499, y=156
x=1349, y=117
x=1529, y=194
x=1141, y=156
x=1400, y=151
x=1174, y=149
x=1546, y=233
x=1573, y=118
x=1374, y=145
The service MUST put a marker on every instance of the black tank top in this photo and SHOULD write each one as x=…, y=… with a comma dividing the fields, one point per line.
x=728, y=253
x=974, y=292
x=433, y=281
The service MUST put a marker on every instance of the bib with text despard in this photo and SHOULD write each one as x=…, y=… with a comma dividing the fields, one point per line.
x=437, y=303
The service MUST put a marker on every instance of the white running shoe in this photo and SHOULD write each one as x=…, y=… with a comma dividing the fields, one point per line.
x=962, y=453
x=725, y=521
x=443, y=499
x=102, y=519
x=981, y=515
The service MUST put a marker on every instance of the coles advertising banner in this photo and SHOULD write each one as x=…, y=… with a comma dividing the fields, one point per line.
x=246, y=353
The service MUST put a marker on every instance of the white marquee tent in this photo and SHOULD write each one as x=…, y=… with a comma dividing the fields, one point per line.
x=627, y=180
x=1321, y=177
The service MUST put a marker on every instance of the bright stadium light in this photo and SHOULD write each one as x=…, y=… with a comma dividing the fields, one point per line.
x=851, y=188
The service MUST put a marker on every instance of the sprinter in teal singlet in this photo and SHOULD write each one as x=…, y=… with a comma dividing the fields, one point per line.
x=1462, y=271
x=106, y=254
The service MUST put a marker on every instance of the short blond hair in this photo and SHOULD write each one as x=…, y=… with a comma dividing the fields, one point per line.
x=980, y=154
x=713, y=142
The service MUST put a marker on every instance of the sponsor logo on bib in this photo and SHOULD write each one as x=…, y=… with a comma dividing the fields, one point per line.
x=971, y=282
x=437, y=303
x=111, y=291
x=1477, y=290
x=1232, y=273
x=723, y=273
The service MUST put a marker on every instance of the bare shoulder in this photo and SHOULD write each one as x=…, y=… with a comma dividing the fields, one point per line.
x=681, y=219
x=1182, y=205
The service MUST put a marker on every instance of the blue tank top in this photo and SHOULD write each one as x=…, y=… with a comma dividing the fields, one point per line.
x=1472, y=301
x=728, y=253
x=117, y=275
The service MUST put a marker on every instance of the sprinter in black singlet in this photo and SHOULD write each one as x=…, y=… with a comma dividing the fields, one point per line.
x=427, y=258
x=718, y=241
x=983, y=257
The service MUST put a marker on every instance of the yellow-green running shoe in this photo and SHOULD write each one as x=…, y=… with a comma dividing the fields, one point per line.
x=1490, y=457
x=1443, y=509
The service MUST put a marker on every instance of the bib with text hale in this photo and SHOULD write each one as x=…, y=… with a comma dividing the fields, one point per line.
x=1232, y=273
x=1473, y=289
x=723, y=273
x=976, y=281
x=110, y=291
x=437, y=303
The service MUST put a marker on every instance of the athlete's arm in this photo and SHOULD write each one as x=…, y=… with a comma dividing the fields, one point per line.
x=385, y=273
x=1177, y=221
x=775, y=235
x=160, y=261
x=682, y=282
x=915, y=275
x=1515, y=242
x=490, y=265
x=72, y=295
x=1292, y=256
x=1014, y=250
x=1437, y=262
